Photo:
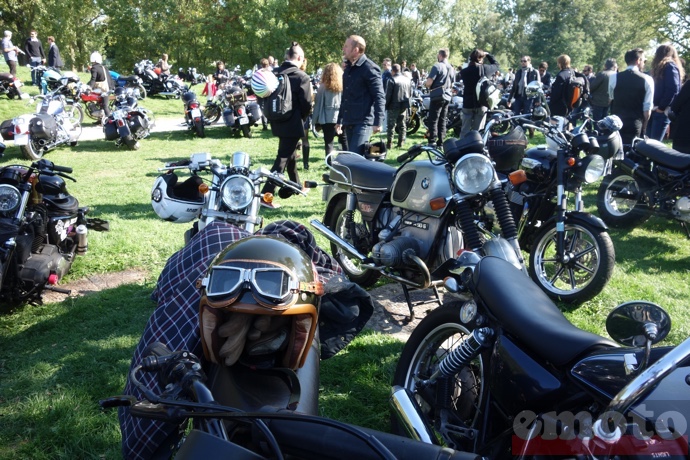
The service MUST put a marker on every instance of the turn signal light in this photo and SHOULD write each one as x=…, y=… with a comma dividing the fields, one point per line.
x=571, y=161
x=517, y=177
x=437, y=203
x=203, y=189
x=268, y=197
x=53, y=279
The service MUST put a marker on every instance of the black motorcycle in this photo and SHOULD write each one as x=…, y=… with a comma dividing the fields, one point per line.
x=9, y=85
x=240, y=113
x=191, y=76
x=42, y=227
x=127, y=123
x=193, y=115
x=504, y=374
x=162, y=85
x=649, y=179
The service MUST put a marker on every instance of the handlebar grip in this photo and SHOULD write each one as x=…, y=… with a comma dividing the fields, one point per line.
x=64, y=169
x=311, y=184
x=411, y=153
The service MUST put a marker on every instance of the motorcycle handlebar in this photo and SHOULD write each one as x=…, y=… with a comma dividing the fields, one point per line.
x=410, y=154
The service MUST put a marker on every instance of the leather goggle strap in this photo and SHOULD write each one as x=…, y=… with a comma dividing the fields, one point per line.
x=315, y=287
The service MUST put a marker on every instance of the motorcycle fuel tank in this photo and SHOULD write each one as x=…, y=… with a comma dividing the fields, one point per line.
x=417, y=183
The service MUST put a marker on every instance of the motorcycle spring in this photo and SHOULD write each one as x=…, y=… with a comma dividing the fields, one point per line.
x=469, y=229
x=505, y=217
x=466, y=352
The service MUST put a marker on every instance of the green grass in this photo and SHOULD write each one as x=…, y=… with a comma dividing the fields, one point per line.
x=57, y=360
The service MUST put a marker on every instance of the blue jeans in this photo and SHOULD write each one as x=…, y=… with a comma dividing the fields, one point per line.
x=657, y=126
x=33, y=65
x=357, y=136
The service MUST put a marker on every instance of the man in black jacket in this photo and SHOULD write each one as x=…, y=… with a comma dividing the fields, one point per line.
x=472, y=112
x=398, y=93
x=439, y=81
x=526, y=74
x=34, y=52
x=633, y=95
x=54, y=59
x=290, y=131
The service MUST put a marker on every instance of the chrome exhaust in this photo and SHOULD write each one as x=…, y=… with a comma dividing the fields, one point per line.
x=338, y=241
x=410, y=416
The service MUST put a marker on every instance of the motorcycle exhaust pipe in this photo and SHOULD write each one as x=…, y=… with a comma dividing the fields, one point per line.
x=338, y=241
x=410, y=416
x=634, y=170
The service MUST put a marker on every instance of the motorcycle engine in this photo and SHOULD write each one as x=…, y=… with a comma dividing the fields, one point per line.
x=681, y=210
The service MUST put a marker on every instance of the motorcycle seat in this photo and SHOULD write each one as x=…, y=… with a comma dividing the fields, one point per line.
x=527, y=313
x=61, y=204
x=130, y=78
x=354, y=169
x=663, y=155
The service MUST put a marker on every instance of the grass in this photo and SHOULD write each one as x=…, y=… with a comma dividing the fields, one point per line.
x=59, y=359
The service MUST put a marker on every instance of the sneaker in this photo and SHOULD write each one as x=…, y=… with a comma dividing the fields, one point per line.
x=266, y=204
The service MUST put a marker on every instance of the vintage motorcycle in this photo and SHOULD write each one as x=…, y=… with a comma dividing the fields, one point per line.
x=89, y=101
x=405, y=222
x=504, y=374
x=232, y=195
x=193, y=115
x=9, y=86
x=241, y=112
x=127, y=123
x=155, y=84
x=51, y=126
x=43, y=229
x=649, y=179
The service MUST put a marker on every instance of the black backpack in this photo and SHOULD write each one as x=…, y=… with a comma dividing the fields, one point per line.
x=576, y=90
x=278, y=105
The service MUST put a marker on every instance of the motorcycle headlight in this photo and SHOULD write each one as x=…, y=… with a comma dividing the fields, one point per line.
x=473, y=173
x=591, y=168
x=237, y=192
x=9, y=198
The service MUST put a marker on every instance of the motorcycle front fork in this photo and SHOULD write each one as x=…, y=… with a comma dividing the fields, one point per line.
x=350, y=227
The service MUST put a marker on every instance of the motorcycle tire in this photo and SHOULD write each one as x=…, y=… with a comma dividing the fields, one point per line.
x=431, y=341
x=142, y=92
x=246, y=131
x=211, y=114
x=335, y=222
x=76, y=112
x=11, y=94
x=621, y=211
x=199, y=128
x=132, y=143
x=32, y=151
x=413, y=125
x=586, y=273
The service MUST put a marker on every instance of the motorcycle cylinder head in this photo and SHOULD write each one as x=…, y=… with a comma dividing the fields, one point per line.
x=681, y=210
x=391, y=254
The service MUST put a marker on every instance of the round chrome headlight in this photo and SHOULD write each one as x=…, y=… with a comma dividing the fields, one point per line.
x=237, y=192
x=9, y=198
x=473, y=173
x=592, y=168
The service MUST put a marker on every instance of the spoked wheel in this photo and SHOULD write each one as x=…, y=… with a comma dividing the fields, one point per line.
x=75, y=111
x=33, y=150
x=362, y=276
x=436, y=336
x=211, y=114
x=621, y=202
x=413, y=124
x=142, y=92
x=589, y=264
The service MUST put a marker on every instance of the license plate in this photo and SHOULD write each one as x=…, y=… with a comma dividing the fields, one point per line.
x=117, y=115
x=196, y=113
x=21, y=139
x=244, y=120
x=18, y=84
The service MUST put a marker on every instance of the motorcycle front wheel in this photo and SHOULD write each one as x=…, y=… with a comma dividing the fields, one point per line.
x=199, y=128
x=212, y=114
x=142, y=92
x=336, y=222
x=76, y=112
x=413, y=124
x=436, y=336
x=621, y=202
x=32, y=151
x=589, y=267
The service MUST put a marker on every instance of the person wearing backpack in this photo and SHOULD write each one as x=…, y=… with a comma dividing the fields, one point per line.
x=473, y=112
x=559, y=89
x=291, y=129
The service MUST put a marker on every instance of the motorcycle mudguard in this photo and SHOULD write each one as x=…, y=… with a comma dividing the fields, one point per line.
x=584, y=217
x=110, y=130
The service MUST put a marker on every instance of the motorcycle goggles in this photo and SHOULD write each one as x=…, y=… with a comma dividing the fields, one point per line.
x=271, y=285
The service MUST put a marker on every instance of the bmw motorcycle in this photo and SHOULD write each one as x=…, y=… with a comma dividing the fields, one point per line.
x=193, y=115
x=10, y=86
x=127, y=123
x=232, y=194
x=504, y=374
x=649, y=179
x=51, y=126
x=404, y=223
x=42, y=230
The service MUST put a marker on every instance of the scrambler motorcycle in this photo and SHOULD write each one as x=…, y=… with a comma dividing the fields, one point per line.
x=405, y=222
x=504, y=374
x=42, y=230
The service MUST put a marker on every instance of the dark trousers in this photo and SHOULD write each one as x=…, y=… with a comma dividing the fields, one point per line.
x=599, y=112
x=436, y=120
x=632, y=127
x=284, y=161
x=396, y=117
x=13, y=67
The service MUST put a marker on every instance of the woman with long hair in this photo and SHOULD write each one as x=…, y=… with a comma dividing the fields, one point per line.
x=668, y=73
x=327, y=103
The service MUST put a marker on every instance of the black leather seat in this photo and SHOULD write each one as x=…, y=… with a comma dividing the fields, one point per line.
x=663, y=154
x=360, y=172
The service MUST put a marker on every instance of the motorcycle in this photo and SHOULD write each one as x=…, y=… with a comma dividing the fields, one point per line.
x=649, y=179
x=571, y=253
x=50, y=127
x=191, y=76
x=43, y=230
x=504, y=374
x=193, y=116
x=404, y=223
x=233, y=194
x=417, y=112
x=155, y=84
x=127, y=123
x=240, y=113
x=10, y=86
x=133, y=82
x=92, y=100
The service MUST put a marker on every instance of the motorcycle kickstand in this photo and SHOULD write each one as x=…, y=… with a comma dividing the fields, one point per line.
x=411, y=305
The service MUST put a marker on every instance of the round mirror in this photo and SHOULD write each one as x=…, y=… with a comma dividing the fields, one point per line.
x=633, y=323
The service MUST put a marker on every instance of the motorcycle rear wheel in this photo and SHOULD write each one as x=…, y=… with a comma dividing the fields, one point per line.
x=439, y=333
x=32, y=151
x=621, y=202
x=336, y=222
x=132, y=143
x=587, y=272
x=199, y=128
x=246, y=131
x=142, y=92
x=212, y=114
x=413, y=124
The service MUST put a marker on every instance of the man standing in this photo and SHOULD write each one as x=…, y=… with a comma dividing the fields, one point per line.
x=526, y=74
x=54, y=59
x=439, y=81
x=633, y=94
x=472, y=112
x=290, y=131
x=416, y=77
x=10, y=52
x=363, y=102
x=544, y=75
x=386, y=74
x=34, y=50
x=398, y=93
x=599, y=90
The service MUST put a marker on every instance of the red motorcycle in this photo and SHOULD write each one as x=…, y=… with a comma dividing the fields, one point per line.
x=92, y=100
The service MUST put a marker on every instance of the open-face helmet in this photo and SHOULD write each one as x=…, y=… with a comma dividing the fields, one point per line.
x=177, y=202
x=259, y=304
